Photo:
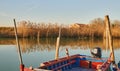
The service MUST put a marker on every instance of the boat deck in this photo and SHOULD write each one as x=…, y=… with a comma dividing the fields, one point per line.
x=73, y=69
x=81, y=69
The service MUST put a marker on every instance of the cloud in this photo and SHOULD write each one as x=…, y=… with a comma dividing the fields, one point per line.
x=32, y=7
x=3, y=14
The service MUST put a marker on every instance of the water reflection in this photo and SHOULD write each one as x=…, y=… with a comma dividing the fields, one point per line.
x=7, y=41
x=32, y=45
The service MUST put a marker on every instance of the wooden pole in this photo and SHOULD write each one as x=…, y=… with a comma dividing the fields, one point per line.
x=106, y=38
x=110, y=40
x=38, y=36
x=57, y=48
x=57, y=45
x=17, y=40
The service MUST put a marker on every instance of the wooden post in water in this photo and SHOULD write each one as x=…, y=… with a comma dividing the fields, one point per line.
x=57, y=48
x=57, y=45
x=110, y=40
x=38, y=36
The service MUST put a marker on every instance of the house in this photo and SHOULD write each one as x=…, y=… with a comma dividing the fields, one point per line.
x=77, y=25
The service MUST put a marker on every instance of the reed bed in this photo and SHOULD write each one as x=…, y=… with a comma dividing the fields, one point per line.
x=94, y=29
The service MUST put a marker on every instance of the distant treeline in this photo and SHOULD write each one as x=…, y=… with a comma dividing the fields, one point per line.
x=94, y=29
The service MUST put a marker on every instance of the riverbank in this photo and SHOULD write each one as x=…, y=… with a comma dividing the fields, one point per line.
x=94, y=29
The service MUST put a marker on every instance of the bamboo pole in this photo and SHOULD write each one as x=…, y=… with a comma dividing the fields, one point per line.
x=57, y=45
x=17, y=40
x=110, y=41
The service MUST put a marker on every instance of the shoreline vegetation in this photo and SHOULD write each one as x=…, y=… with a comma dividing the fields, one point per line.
x=94, y=29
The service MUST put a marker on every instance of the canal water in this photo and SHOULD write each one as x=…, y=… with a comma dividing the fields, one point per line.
x=35, y=51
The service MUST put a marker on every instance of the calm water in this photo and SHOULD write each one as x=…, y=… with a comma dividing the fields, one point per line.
x=35, y=51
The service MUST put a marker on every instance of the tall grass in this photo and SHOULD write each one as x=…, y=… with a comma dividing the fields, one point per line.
x=6, y=32
x=27, y=29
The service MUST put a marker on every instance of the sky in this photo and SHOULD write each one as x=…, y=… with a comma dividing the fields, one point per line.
x=60, y=11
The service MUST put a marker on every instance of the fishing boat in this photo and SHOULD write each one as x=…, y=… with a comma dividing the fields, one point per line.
x=77, y=62
x=73, y=63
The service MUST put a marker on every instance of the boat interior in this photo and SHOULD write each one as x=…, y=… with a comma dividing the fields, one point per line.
x=75, y=63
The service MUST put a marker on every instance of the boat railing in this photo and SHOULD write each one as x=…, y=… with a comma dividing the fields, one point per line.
x=61, y=63
x=105, y=65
